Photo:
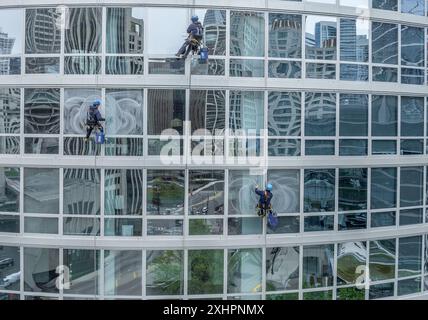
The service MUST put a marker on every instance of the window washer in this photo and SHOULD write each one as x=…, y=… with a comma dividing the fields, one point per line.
x=196, y=32
x=93, y=119
x=264, y=204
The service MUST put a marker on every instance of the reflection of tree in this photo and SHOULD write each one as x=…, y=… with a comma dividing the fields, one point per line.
x=350, y=294
x=165, y=272
x=205, y=271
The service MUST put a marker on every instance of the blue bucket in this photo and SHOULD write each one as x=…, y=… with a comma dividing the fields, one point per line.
x=272, y=220
x=204, y=54
x=99, y=137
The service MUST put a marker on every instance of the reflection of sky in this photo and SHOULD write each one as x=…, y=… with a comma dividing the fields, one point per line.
x=166, y=30
x=362, y=24
x=9, y=25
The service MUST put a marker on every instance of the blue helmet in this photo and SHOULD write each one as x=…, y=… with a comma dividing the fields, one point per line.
x=269, y=187
x=195, y=19
x=96, y=103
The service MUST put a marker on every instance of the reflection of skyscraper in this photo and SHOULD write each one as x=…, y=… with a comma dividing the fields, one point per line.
x=43, y=34
x=324, y=31
x=353, y=46
x=285, y=36
x=6, y=45
x=215, y=31
x=284, y=114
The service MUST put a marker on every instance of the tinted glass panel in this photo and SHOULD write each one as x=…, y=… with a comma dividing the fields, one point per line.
x=385, y=43
x=352, y=189
x=319, y=190
x=42, y=30
x=383, y=188
x=320, y=114
x=247, y=31
x=285, y=35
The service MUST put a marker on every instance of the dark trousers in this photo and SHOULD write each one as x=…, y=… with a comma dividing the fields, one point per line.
x=186, y=48
x=91, y=127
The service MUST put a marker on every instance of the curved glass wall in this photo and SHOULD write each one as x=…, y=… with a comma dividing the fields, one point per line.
x=328, y=102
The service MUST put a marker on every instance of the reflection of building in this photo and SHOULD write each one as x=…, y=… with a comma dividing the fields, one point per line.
x=285, y=36
x=323, y=44
x=43, y=34
x=6, y=45
x=284, y=114
x=215, y=31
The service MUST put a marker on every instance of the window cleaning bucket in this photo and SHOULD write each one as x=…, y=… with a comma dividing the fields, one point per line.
x=99, y=137
x=204, y=54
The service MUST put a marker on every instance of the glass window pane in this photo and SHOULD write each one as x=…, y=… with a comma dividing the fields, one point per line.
x=383, y=188
x=199, y=227
x=206, y=192
x=350, y=293
x=41, y=225
x=320, y=114
x=76, y=104
x=205, y=271
x=409, y=256
x=383, y=219
x=82, y=65
x=166, y=110
x=40, y=267
x=352, y=147
x=41, y=190
x=11, y=26
x=247, y=68
x=122, y=272
x=385, y=4
x=214, y=67
x=413, y=7
x=244, y=270
x=247, y=34
x=42, y=65
x=41, y=145
x=384, y=74
x=125, y=30
x=283, y=296
x=124, y=112
x=9, y=223
x=350, y=256
x=284, y=118
x=246, y=112
x=207, y=112
x=10, y=268
x=318, y=266
x=125, y=147
x=116, y=65
x=384, y=115
x=411, y=188
x=354, y=72
x=10, y=66
x=321, y=37
x=284, y=148
x=354, y=39
x=165, y=192
x=319, y=147
x=123, y=227
x=382, y=259
x=383, y=290
x=78, y=147
x=165, y=272
x=42, y=111
x=319, y=223
x=321, y=71
x=285, y=69
x=84, y=266
x=412, y=76
x=83, y=34
x=412, y=117
x=412, y=147
x=164, y=227
x=354, y=114
x=384, y=43
x=82, y=191
x=412, y=46
x=352, y=221
x=172, y=36
x=409, y=286
x=319, y=190
x=43, y=30
x=123, y=192
x=9, y=189
x=10, y=105
x=244, y=226
x=286, y=190
x=352, y=189
x=286, y=224
x=380, y=147
x=214, y=22
x=282, y=268
x=167, y=66
x=318, y=295
x=411, y=216
x=285, y=35
x=78, y=226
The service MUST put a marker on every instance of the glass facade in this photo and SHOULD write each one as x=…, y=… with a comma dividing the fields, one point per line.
x=330, y=109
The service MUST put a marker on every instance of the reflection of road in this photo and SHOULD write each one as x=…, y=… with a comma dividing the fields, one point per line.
x=207, y=199
x=12, y=253
x=122, y=273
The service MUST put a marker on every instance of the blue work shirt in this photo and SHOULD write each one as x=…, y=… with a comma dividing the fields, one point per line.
x=195, y=29
x=95, y=115
x=264, y=200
